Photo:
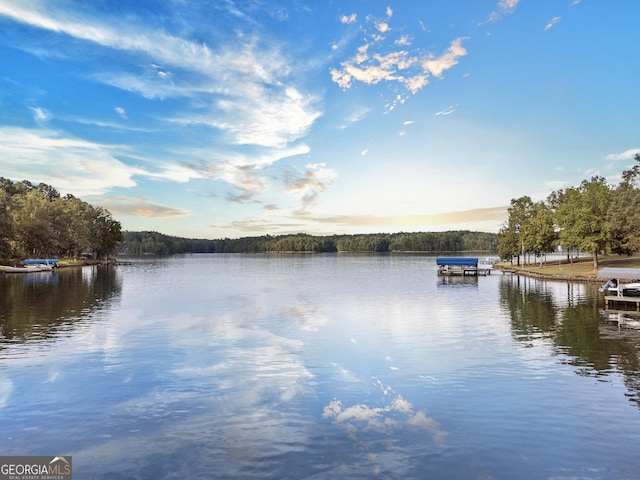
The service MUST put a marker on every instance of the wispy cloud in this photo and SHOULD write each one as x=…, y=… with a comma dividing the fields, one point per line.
x=139, y=207
x=397, y=415
x=480, y=215
x=551, y=23
x=81, y=167
x=505, y=7
x=317, y=178
x=40, y=115
x=374, y=63
x=347, y=19
x=446, y=111
x=626, y=155
x=244, y=173
x=259, y=105
x=246, y=92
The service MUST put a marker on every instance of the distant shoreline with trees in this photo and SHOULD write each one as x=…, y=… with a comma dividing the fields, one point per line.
x=154, y=243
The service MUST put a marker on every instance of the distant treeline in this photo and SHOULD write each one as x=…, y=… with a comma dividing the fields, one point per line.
x=137, y=243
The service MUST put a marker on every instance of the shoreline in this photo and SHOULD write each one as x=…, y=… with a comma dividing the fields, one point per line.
x=550, y=276
x=581, y=270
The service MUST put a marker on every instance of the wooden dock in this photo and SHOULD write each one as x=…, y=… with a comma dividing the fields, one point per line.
x=615, y=300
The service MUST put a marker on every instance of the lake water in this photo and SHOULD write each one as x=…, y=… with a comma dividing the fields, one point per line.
x=315, y=367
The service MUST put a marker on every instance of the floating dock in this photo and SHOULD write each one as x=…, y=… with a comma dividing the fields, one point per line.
x=463, y=266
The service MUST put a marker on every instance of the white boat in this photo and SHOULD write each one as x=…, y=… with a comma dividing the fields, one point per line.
x=615, y=287
x=42, y=263
x=631, y=289
x=27, y=269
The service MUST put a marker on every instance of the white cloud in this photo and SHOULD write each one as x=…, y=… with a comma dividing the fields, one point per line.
x=267, y=119
x=551, y=23
x=248, y=89
x=437, y=65
x=411, y=69
x=388, y=419
x=383, y=27
x=505, y=7
x=317, y=178
x=626, y=155
x=245, y=93
x=446, y=111
x=403, y=41
x=40, y=115
x=139, y=206
x=347, y=19
x=73, y=165
x=242, y=172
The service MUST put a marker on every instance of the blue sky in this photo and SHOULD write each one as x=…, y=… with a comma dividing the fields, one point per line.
x=230, y=118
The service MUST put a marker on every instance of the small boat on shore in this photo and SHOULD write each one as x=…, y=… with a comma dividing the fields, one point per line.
x=27, y=269
x=35, y=265
x=42, y=263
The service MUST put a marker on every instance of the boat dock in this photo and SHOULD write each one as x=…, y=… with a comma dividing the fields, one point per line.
x=617, y=300
x=463, y=266
x=618, y=274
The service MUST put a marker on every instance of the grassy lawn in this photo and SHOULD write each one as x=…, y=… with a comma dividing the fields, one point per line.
x=582, y=267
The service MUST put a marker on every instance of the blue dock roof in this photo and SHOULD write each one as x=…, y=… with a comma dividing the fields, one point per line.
x=458, y=261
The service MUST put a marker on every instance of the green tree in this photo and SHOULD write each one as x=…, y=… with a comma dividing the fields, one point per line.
x=6, y=225
x=624, y=211
x=33, y=218
x=76, y=224
x=539, y=230
x=582, y=217
x=508, y=243
x=519, y=214
x=105, y=233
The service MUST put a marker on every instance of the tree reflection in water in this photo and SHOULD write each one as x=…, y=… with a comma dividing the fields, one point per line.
x=39, y=306
x=569, y=317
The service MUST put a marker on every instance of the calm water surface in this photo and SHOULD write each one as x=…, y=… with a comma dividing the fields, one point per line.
x=315, y=366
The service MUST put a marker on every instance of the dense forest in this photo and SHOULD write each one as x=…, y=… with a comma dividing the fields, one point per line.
x=594, y=218
x=136, y=243
x=35, y=221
